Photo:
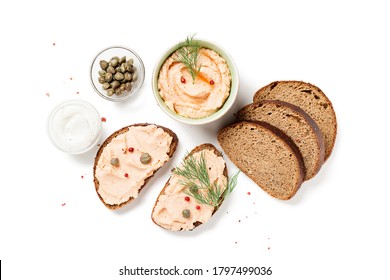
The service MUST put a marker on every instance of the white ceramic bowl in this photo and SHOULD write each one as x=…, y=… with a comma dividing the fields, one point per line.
x=74, y=126
x=107, y=54
x=229, y=101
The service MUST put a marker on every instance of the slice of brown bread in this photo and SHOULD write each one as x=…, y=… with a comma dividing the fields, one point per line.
x=266, y=155
x=171, y=217
x=309, y=98
x=296, y=124
x=171, y=150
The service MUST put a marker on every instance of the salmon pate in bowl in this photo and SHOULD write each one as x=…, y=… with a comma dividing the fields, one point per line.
x=195, y=81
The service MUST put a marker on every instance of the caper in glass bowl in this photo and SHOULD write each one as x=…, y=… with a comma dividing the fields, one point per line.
x=117, y=73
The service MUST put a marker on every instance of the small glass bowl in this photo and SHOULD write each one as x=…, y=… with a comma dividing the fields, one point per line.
x=107, y=54
x=74, y=126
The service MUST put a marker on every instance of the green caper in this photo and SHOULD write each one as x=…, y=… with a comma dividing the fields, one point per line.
x=194, y=189
x=108, y=77
x=118, y=69
x=186, y=213
x=101, y=80
x=129, y=65
x=111, y=69
x=118, y=91
x=102, y=73
x=128, y=87
x=118, y=76
x=135, y=76
x=145, y=158
x=114, y=62
x=123, y=67
x=110, y=92
x=114, y=161
x=128, y=76
x=115, y=85
x=122, y=60
x=106, y=86
x=103, y=64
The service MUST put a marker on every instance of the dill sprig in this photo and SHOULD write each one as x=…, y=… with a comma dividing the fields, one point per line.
x=197, y=182
x=188, y=54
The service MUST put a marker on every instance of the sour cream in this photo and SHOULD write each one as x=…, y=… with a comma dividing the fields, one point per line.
x=74, y=126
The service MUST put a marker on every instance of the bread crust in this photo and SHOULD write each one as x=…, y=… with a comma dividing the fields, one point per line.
x=287, y=142
x=313, y=125
x=172, y=149
x=199, y=148
x=262, y=93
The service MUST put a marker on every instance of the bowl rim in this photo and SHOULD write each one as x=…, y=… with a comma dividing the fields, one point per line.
x=233, y=88
x=92, y=110
x=141, y=77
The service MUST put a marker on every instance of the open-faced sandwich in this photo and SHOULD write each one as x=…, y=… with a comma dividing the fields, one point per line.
x=195, y=190
x=128, y=159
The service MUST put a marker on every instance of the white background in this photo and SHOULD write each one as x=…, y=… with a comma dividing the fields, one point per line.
x=336, y=227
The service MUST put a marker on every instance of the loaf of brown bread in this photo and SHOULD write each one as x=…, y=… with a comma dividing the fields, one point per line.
x=266, y=155
x=309, y=98
x=296, y=124
x=128, y=159
x=174, y=198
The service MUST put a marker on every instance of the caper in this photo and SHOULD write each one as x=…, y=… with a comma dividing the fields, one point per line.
x=118, y=91
x=194, y=189
x=128, y=87
x=118, y=69
x=115, y=84
x=123, y=67
x=103, y=64
x=135, y=76
x=108, y=77
x=186, y=213
x=114, y=161
x=102, y=73
x=114, y=62
x=128, y=76
x=145, y=158
x=129, y=65
x=110, y=92
x=101, y=80
x=106, y=86
x=118, y=76
x=122, y=60
x=111, y=69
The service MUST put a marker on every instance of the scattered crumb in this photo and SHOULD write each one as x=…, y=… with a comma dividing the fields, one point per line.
x=235, y=242
x=71, y=78
x=98, y=145
x=246, y=217
x=63, y=204
x=104, y=119
x=77, y=92
x=54, y=44
x=249, y=193
x=47, y=94
x=269, y=248
x=239, y=221
x=82, y=176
